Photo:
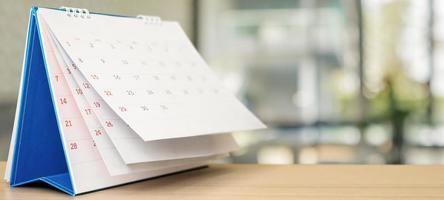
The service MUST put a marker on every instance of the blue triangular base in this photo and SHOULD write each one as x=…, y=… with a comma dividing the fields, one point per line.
x=38, y=153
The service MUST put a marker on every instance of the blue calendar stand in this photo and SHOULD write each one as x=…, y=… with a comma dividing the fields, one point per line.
x=38, y=153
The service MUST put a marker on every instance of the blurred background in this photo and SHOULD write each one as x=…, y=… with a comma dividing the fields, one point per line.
x=336, y=81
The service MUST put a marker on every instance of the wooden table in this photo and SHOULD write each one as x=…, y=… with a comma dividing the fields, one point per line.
x=235, y=181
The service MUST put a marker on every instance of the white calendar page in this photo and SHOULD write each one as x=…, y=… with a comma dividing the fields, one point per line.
x=88, y=168
x=171, y=152
x=149, y=75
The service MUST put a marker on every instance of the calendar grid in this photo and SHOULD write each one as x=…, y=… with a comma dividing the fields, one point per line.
x=59, y=84
x=97, y=132
x=170, y=86
x=88, y=94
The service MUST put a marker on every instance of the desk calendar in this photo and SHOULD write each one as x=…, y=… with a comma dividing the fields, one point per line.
x=106, y=100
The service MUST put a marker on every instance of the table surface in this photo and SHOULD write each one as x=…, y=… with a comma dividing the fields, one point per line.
x=235, y=181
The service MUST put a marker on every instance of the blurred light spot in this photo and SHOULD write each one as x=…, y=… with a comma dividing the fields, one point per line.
x=424, y=156
x=376, y=135
x=308, y=155
x=275, y=155
x=348, y=83
x=271, y=32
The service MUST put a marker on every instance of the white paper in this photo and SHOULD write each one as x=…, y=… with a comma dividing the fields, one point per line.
x=130, y=146
x=87, y=168
x=114, y=163
x=166, y=88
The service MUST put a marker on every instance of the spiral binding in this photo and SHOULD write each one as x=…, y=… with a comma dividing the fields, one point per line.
x=150, y=19
x=76, y=12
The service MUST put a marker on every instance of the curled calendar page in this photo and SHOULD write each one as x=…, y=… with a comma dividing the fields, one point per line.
x=150, y=75
x=107, y=100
